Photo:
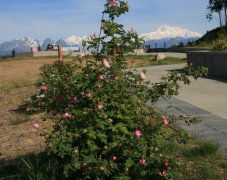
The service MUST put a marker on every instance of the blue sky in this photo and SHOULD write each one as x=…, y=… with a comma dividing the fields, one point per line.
x=62, y=18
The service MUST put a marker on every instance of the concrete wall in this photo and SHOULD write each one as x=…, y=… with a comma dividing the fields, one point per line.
x=24, y=54
x=48, y=54
x=216, y=62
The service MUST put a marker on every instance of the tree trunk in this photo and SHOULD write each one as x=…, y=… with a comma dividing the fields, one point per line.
x=225, y=9
x=220, y=19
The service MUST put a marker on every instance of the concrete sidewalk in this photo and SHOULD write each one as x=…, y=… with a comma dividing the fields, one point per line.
x=205, y=98
x=207, y=94
x=167, y=54
x=211, y=127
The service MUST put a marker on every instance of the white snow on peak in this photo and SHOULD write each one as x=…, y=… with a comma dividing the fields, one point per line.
x=75, y=40
x=19, y=45
x=165, y=31
x=25, y=44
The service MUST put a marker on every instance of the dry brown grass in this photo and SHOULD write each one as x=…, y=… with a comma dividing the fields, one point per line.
x=17, y=79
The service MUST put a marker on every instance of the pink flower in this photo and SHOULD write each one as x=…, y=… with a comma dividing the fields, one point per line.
x=142, y=75
x=133, y=31
x=161, y=155
x=100, y=105
x=113, y=3
x=153, y=120
x=114, y=158
x=165, y=120
x=142, y=161
x=84, y=164
x=162, y=174
x=88, y=94
x=100, y=76
x=138, y=133
x=68, y=115
x=27, y=109
x=106, y=63
x=116, y=78
x=190, y=64
x=35, y=126
x=93, y=36
x=44, y=87
x=166, y=164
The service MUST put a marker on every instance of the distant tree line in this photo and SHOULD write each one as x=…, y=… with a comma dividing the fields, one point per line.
x=219, y=7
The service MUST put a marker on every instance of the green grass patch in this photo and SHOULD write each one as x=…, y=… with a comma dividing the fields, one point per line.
x=149, y=60
x=203, y=149
x=19, y=119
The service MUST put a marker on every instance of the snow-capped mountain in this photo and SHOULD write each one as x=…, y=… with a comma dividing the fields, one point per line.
x=46, y=42
x=19, y=45
x=165, y=31
x=75, y=40
x=167, y=36
x=70, y=41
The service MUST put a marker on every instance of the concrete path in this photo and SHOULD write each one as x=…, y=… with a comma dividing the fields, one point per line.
x=168, y=54
x=204, y=98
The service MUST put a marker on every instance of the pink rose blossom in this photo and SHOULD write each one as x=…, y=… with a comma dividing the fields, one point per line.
x=113, y=3
x=138, y=133
x=27, y=110
x=165, y=120
x=84, y=164
x=166, y=164
x=116, y=78
x=88, y=94
x=94, y=36
x=114, y=158
x=100, y=76
x=100, y=105
x=68, y=115
x=161, y=155
x=142, y=75
x=106, y=63
x=162, y=174
x=153, y=120
x=133, y=30
x=142, y=161
x=35, y=126
x=44, y=87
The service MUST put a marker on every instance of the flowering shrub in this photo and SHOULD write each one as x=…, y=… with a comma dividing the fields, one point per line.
x=220, y=44
x=103, y=127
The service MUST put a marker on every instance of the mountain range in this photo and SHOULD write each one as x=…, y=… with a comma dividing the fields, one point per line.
x=164, y=36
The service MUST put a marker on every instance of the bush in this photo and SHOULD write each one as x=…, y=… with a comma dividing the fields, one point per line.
x=220, y=44
x=103, y=128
